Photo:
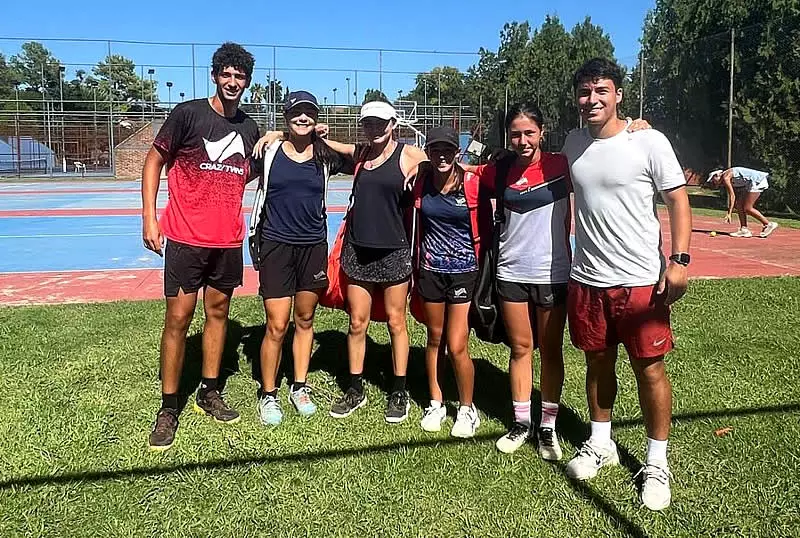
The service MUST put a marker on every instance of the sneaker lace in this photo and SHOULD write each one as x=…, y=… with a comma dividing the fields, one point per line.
x=590, y=452
x=215, y=399
x=465, y=413
x=430, y=410
x=352, y=397
x=270, y=402
x=397, y=399
x=303, y=396
x=165, y=422
x=546, y=436
x=517, y=430
x=654, y=472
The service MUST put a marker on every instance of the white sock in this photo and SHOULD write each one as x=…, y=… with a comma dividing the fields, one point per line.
x=601, y=434
x=656, y=451
x=436, y=404
x=549, y=413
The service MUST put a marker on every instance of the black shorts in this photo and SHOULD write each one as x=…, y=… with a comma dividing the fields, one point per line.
x=456, y=288
x=285, y=269
x=190, y=268
x=541, y=295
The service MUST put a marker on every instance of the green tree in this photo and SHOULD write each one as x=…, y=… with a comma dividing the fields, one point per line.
x=38, y=69
x=118, y=73
x=687, y=64
x=374, y=95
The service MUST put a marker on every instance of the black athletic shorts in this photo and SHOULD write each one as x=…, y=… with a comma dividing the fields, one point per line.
x=190, y=268
x=285, y=269
x=456, y=288
x=541, y=295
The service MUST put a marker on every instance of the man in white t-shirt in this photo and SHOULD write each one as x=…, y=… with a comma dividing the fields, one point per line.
x=620, y=284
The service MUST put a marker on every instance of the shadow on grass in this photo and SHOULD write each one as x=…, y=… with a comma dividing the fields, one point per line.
x=492, y=397
x=193, y=362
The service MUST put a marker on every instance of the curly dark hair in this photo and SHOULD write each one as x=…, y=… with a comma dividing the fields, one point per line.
x=232, y=55
x=598, y=68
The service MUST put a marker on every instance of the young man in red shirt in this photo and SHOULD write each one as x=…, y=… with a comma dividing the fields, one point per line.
x=206, y=146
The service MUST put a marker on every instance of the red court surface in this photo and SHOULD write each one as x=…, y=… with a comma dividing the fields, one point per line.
x=712, y=257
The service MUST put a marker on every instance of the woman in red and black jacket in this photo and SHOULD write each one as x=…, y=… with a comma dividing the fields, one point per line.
x=449, y=218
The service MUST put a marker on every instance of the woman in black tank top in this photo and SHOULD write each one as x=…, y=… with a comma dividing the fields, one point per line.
x=376, y=254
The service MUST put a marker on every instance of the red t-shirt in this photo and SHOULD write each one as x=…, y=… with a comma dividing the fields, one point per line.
x=208, y=159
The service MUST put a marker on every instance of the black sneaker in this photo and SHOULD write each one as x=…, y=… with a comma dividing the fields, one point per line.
x=213, y=405
x=349, y=402
x=397, y=407
x=163, y=434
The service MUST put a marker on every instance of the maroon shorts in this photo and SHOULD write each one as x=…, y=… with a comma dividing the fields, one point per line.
x=636, y=317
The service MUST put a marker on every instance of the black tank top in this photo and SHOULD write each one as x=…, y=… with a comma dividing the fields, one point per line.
x=376, y=218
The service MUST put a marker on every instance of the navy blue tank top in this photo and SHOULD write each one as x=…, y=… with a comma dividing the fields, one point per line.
x=294, y=211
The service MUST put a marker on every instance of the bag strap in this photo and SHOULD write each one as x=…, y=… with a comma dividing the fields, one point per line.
x=502, y=168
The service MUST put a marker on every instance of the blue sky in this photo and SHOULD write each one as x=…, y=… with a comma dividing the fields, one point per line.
x=449, y=26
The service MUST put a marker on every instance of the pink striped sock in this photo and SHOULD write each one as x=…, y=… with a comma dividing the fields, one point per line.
x=549, y=413
x=522, y=412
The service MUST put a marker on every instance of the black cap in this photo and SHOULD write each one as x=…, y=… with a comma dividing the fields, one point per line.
x=296, y=98
x=442, y=134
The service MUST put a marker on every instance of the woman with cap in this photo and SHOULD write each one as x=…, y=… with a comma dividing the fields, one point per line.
x=376, y=255
x=288, y=244
x=447, y=258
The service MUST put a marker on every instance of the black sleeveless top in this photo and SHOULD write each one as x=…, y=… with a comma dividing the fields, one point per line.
x=376, y=218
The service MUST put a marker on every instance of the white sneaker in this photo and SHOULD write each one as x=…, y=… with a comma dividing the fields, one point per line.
x=742, y=232
x=467, y=421
x=590, y=459
x=549, y=448
x=433, y=417
x=515, y=438
x=655, y=493
x=768, y=229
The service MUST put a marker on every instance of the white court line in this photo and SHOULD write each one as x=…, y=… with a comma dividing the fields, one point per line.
x=38, y=236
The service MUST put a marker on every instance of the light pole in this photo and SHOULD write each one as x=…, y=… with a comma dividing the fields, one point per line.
x=439, y=88
x=169, y=95
x=61, y=70
x=151, y=72
x=348, y=90
x=182, y=96
x=16, y=127
x=334, y=97
x=425, y=114
x=269, y=101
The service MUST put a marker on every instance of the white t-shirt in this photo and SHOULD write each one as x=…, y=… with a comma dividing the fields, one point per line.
x=617, y=231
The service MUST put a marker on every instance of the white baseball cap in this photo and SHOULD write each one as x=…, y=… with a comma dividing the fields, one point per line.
x=378, y=109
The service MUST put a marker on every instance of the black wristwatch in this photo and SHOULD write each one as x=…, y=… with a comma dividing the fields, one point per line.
x=681, y=258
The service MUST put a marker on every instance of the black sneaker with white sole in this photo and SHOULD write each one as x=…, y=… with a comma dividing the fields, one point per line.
x=397, y=407
x=348, y=403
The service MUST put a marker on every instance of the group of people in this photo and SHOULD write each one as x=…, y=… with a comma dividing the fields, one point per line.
x=419, y=222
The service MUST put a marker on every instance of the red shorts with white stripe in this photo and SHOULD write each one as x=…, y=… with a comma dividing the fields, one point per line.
x=636, y=317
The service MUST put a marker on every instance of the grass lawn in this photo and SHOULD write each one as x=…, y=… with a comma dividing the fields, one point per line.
x=80, y=390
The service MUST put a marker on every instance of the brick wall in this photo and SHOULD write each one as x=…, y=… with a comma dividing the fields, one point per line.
x=130, y=153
